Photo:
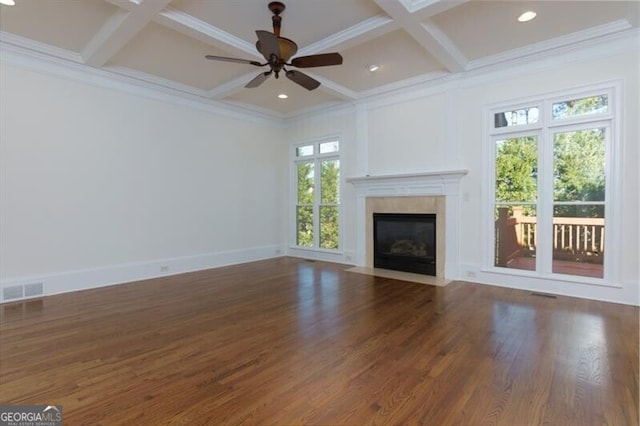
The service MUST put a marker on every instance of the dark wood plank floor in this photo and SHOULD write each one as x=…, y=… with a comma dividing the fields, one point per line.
x=286, y=341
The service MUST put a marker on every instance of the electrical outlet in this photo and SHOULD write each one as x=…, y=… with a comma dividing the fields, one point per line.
x=164, y=268
x=471, y=274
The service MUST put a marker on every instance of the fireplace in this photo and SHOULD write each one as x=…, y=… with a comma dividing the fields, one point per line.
x=405, y=242
x=420, y=193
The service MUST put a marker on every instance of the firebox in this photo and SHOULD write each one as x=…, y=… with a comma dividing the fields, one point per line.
x=405, y=242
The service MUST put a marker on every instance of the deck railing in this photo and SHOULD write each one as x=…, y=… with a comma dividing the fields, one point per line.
x=574, y=238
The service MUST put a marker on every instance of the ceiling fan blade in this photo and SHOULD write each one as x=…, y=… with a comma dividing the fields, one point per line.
x=260, y=78
x=321, y=60
x=236, y=60
x=302, y=79
x=268, y=44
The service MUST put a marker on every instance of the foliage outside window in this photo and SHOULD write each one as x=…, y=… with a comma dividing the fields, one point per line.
x=550, y=186
x=317, y=169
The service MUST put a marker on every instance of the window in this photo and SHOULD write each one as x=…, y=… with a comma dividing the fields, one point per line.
x=317, y=195
x=551, y=185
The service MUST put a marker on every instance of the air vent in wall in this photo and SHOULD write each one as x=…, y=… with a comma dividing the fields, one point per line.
x=33, y=290
x=23, y=291
x=12, y=293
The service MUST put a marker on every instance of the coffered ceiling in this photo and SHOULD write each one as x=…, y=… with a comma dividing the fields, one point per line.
x=163, y=43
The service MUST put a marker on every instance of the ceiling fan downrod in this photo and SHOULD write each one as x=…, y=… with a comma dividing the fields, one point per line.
x=276, y=8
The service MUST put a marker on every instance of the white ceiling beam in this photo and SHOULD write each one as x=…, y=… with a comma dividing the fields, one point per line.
x=119, y=30
x=123, y=4
x=427, y=35
x=357, y=34
x=190, y=26
x=429, y=8
x=333, y=88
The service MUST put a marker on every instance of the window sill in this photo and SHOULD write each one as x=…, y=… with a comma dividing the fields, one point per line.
x=573, y=279
x=317, y=250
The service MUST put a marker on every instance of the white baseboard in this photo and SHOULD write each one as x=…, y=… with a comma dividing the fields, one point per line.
x=625, y=293
x=346, y=257
x=99, y=277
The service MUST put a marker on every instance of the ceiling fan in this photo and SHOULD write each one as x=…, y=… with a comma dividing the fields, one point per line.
x=278, y=51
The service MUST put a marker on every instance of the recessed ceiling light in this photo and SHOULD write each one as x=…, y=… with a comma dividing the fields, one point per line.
x=527, y=16
x=8, y=2
x=373, y=68
x=283, y=96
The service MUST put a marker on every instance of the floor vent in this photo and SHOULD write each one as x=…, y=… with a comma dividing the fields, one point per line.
x=549, y=296
x=25, y=291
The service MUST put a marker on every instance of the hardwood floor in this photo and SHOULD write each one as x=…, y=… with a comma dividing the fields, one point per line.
x=286, y=341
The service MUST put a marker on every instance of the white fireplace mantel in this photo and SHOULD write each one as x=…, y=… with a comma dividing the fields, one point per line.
x=445, y=182
x=435, y=183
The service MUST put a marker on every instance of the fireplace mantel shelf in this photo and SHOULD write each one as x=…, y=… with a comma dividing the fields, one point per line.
x=445, y=182
x=436, y=176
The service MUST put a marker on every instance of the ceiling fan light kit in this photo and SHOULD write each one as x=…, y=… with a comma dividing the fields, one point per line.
x=277, y=51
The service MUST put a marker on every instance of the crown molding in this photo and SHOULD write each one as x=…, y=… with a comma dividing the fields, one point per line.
x=612, y=44
x=412, y=83
x=124, y=80
x=231, y=86
x=321, y=112
x=155, y=81
x=38, y=49
x=327, y=109
x=434, y=83
x=550, y=47
x=275, y=115
x=618, y=36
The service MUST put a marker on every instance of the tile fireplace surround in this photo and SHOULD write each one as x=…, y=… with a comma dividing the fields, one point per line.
x=432, y=192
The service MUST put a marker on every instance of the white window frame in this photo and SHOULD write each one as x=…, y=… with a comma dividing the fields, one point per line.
x=544, y=130
x=316, y=158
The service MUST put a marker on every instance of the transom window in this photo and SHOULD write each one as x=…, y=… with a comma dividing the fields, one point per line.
x=317, y=195
x=551, y=186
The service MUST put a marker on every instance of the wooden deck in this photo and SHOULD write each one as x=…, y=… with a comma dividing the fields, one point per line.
x=286, y=341
x=582, y=269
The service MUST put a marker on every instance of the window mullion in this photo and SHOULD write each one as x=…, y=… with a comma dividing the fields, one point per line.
x=544, y=249
x=316, y=205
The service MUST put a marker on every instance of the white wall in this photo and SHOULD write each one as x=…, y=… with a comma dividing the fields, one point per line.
x=432, y=129
x=104, y=186
x=407, y=137
x=98, y=186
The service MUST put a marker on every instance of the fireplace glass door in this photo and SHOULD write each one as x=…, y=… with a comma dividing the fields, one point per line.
x=405, y=242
